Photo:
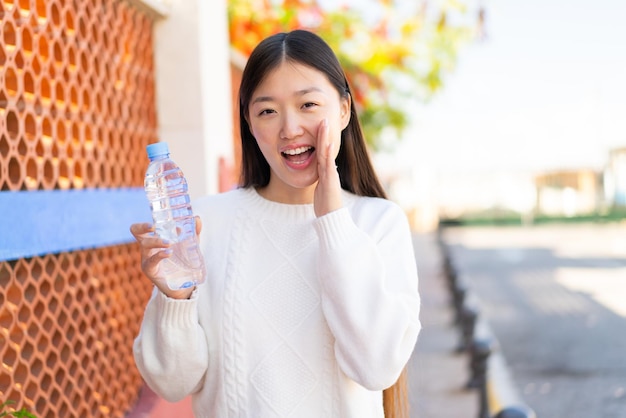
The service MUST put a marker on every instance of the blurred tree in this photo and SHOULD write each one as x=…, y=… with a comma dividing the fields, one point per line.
x=393, y=51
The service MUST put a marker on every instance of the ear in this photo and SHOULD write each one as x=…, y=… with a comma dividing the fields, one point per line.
x=346, y=105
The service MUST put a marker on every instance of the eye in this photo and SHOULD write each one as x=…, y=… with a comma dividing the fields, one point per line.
x=309, y=105
x=266, y=112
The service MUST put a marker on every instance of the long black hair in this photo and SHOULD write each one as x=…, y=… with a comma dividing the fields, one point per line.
x=356, y=172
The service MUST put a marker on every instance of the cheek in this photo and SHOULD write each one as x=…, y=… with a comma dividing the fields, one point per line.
x=264, y=147
x=336, y=134
x=336, y=146
x=259, y=135
x=267, y=147
x=264, y=131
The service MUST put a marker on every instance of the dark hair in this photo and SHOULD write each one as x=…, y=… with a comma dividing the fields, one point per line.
x=356, y=172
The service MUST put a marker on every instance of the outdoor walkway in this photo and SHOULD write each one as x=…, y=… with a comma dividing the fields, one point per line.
x=437, y=375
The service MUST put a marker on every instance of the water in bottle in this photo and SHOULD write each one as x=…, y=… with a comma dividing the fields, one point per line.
x=166, y=189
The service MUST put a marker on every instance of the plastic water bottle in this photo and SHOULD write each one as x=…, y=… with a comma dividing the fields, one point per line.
x=166, y=189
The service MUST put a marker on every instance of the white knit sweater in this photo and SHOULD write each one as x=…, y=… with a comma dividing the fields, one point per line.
x=299, y=317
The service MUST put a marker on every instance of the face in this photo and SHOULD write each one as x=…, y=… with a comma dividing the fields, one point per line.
x=284, y=116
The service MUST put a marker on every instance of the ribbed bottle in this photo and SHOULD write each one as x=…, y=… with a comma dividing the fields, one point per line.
x=166, y=189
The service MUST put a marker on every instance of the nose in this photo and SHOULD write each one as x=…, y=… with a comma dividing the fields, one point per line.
x=291, y=126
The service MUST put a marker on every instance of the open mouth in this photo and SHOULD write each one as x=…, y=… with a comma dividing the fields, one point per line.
x=298, y=155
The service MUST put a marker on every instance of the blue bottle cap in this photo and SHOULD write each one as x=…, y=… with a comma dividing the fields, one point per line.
x=157, y=149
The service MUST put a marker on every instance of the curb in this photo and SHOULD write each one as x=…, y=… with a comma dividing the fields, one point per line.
x=499, y=396
x=501, y=390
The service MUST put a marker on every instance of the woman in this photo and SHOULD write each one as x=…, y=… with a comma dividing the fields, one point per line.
x=310, y=307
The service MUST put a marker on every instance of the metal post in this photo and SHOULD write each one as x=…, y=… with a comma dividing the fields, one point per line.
x=469, y=316
x=459, y=294
x=480, y=351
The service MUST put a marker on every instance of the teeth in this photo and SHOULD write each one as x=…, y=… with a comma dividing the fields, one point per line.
x=297, y=151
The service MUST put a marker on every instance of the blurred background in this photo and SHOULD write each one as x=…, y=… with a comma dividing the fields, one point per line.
x=530, y=121
x=497, y=123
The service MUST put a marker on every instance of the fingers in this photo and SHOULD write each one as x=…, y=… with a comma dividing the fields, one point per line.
x=144, y=234
x=330, y=161
x=327, y=196
x=324, y=144
x=198, y=225
x=153, y=249
x=150, y=262
x=140, y=229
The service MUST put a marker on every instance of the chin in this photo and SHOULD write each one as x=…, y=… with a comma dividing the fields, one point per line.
x=301, y=180
x=300, y=186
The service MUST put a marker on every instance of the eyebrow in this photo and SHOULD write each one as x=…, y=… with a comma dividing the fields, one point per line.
x=302, y=92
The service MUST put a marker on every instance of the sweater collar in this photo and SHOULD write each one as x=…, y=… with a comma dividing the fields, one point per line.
x=284, y=210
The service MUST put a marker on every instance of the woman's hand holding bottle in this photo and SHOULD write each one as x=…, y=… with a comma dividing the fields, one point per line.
x=153, y=250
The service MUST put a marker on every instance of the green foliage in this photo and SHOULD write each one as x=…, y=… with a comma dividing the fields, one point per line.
x=394, y=60
x=22, y=413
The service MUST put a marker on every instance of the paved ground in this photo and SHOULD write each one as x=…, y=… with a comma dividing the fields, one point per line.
x=555, y=297
x=437, y=375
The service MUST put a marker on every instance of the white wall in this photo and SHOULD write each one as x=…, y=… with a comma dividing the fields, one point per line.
x=193, y=88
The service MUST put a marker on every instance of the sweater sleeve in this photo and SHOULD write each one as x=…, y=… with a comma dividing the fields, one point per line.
x=171, y=349
x=370, y=293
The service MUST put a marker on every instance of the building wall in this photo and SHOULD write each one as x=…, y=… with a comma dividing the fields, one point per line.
x=615, y=178
x=193, y=90
x=568, y=192
x=237, y=64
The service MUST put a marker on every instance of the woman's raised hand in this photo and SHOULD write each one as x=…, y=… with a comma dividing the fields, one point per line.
x=327, y=197
x=153, y=250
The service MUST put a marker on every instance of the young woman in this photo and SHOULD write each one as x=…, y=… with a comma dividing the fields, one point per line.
x=311, y=304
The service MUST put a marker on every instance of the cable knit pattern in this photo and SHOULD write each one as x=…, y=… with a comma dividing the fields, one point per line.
x=285, y=299
x=283, y=365
x=300, y=316
x=330, y=404
x=233, y=334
